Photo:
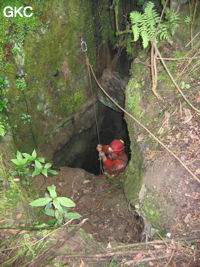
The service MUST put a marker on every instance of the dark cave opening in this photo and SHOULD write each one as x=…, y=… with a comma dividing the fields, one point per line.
x=113, y=127
x=81, y=151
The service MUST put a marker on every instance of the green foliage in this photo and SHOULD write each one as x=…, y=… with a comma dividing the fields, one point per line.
x=185, y=85
x=31, y=165
x=57, y=207
x=14, y=30
x=3, y=105
x=2, y=129
x=21, y=84
x=26, y=118
x=149, y=27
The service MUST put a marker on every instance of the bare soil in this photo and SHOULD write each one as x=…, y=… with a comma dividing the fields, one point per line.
x=100, y=200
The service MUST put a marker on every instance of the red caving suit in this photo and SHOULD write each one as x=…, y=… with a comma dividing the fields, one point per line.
x=114, y=164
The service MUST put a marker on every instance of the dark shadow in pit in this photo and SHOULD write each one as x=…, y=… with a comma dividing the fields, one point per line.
x=81, y=151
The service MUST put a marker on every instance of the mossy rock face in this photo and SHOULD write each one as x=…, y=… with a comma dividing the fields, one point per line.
x=142, y=104
x=54, y=69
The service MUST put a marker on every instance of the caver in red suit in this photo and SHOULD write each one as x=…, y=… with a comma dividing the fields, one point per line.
x=113, y=156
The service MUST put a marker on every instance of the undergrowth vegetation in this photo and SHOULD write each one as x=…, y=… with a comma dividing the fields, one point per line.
x=30, y=165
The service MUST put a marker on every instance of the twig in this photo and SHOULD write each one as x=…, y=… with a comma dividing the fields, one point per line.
x=192, y=39
x=176, y=59
x=192, y=23
x=175, y=83
x=27, y=228
x=102, y=255
x=154, y=73
x=156, y=242
x=189, y=62
x=147, y=260
x=172, y=255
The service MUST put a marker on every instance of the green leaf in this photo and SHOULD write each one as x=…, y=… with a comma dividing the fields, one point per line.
x=57, y=214
x=151, y=212
x=2, y=130
x=72, y=215
x=44, y=172
x=19, y=162
x=42, y=160
x=66, y=202
x=40, y=202
x=19, y=155
x=52, y=222
x=38, y=165
x=57, y=205
x=52, y=191
x=49, y=212
x=36, y=172
x=48, y=165
x=15, y=161
x=27, y=156
x=52, y=172
x=34, y=154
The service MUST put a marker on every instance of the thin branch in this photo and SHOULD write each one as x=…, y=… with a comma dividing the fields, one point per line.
x=175, y=83
x=148, y=260
x=176, y=59
x=154, y=72
x=192, y=39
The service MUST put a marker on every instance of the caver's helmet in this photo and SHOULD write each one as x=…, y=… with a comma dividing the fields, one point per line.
x=117, y=146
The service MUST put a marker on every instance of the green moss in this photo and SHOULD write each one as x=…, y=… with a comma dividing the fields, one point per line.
x=134, y=174
x=106, y=22
x=71, y=103
x=151, y=207
x=134, y=98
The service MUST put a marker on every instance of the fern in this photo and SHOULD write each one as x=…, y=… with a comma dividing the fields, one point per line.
x=148, y=25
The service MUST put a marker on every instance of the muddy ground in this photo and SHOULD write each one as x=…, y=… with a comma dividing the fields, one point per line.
x=100, y=200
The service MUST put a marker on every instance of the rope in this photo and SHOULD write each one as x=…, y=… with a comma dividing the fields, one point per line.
x=84, y=49
x=142, y=126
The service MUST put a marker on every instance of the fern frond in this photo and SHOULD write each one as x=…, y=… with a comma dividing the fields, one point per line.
x=146, y=25
x=135, y=17
x=163, y=33
x=136, y=32
x=145, y=38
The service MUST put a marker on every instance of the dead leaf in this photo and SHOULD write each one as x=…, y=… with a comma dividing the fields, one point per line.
x=193, y=195
x=165, y=123
x=188, y=115
x=137, y=258
x=82, y=264
x=197, y=171
x=140, y=138
x=109, y=245
x=198, y=98
x=19, y=215
x=12, y=231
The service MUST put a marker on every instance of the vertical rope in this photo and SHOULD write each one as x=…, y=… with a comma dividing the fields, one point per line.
x=84, y=49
